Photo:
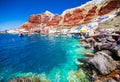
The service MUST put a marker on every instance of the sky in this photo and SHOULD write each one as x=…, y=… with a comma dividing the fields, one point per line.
x=13, y=13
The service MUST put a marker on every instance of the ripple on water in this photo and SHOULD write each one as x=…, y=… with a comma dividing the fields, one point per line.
x=33, y=55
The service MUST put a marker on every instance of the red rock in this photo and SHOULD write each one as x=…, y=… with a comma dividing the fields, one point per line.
x=29, y=25
x=114, y=4
x=115, y=75
x=75, y=18
x=67, y=17
x=91, y=13
x=72, y=17
x=35, y=19
x=55, y=20
x=41, y=18
x=44, y=19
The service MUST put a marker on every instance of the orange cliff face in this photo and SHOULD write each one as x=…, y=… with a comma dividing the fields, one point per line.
x=46, y=19
x=72, y=17
x=54, y=21
x=91, y=14
x=29, y=25
x=76, y=17
x=110, y=6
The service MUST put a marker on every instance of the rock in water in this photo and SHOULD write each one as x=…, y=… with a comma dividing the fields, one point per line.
x=103, y=63
x=21, y=79
x=77, y=76
x=89, y=54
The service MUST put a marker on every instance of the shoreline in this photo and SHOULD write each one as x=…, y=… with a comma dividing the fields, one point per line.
x=92, y=63
x=103, y=64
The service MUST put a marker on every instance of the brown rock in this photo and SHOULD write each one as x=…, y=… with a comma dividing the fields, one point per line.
x=113, y=4
x=29, y=25
x=21, y=79
x=73, y=17
x=55, y=20
x=103, y=63
x=107, y=52
x=35, y=19
x=91, y=13
x=89, y=54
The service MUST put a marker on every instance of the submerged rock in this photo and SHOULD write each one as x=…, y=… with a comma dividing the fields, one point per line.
x=77, y=76
x=103, y=63
x=30, y=78
x=21, y=79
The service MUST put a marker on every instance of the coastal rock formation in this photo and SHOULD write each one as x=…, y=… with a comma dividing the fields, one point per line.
x=55, y=20
x=75, y=18
x=103, y=63
x=91, y=14
x=105, y=9
x=21, y=79
x=72, y=17
x=38, y=20
x=104, y=66
x=29, y=25
x=79, y=76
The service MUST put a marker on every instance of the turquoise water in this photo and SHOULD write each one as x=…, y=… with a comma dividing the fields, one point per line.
x=51, y=56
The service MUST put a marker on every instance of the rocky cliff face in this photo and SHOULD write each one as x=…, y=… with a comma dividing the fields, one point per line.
x=54, y=21
x=74, y=16
x=110, y=6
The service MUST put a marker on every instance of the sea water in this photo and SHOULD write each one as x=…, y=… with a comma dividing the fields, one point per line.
x=38, y=54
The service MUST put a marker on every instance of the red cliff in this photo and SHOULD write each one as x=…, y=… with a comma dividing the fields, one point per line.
x=54, y=21
x=72, y=17
x=110, y=6
x=75, y=18
x=91, y=14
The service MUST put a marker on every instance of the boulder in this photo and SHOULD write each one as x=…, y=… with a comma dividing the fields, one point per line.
x=104, y=46
x=89, y=54
x=110, y=39
x=118, y=41
x=97, y=47
x=116, y=52
x=111, y=80
x=90, y=40
x=103, y=63
x=107, y=52
x=109, y=46
x=83, y=60
x=101, y=39
x=87, y=46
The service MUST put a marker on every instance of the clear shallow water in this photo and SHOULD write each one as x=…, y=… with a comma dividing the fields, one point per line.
x=36, y=54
